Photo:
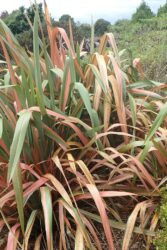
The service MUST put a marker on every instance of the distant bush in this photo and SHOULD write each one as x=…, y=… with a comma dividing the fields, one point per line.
x=142, y=12
x=162, y=10
x=146, y=39
x=101, y=26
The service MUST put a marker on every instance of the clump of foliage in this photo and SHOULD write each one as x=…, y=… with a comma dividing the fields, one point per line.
x=145, y=39
x=101, y=26
x=20, y=27
x=162, y=10
x=19, y=23
x=142, y=12
x=80, y=31
x=161, y=237
x=81, y=144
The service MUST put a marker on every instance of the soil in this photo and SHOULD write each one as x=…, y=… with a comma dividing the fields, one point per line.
x=137, y=242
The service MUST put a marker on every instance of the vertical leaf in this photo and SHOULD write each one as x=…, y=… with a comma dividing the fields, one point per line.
x=17, y=143
x=1, y=126
x=79, y=241
x=47, y=209
x=17, y=184
x=92, y=37
x=29, y=227
x=38, y=81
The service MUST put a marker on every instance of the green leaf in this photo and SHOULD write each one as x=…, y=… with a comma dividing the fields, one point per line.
x=17, y=143
x=116, y=224
x=158, y=121
x=145, y=151
x=29, y=227
x=38, y=81
x=92, y=113
x=133, y=109
x=92, y=36
x=48, y=215
x=1, y=126
x=58, y=72
x=50, y=77
x=98, y=77
x=17, y=184
x=55, y=137
x=72, y=69
x=85, y=98
x=26, y=87
x=63, y=88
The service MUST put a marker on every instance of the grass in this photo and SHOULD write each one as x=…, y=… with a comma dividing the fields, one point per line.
x=145, y=39
x=79, y=145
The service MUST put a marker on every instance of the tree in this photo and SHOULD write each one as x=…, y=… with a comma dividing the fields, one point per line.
x=64, y=22
x=162, y=10
x=142, y=12
x=31, y=14
x=83, y=31
x=17, y=21
x=101, y=26
x=119, y=26
x=4, y=14
x=64, y=19
x=18, y=24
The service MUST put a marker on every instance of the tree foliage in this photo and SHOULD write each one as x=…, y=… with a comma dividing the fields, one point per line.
x=83, y=31
x=162, y=10
x=18, y=23
x=4, y=14
x=64, y=22
x=101, y=27
x=80, y=30
x=142, y=12
x=17, y=20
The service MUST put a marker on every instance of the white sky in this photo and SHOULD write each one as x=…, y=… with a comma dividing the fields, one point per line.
x=81, y=10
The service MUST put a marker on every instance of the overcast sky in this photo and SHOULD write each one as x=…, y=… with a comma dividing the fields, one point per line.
x=81, y=10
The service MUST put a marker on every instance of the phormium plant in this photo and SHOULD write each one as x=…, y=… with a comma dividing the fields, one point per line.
x=80, y=146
